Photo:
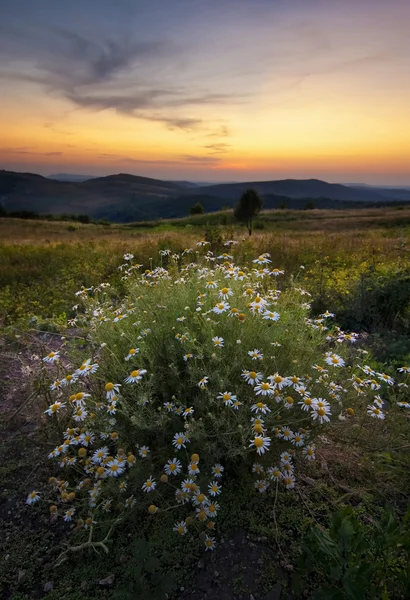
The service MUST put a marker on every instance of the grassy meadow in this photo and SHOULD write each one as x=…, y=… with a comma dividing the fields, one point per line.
x=342, y=532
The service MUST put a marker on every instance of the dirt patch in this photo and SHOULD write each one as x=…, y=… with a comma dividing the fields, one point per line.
x=238, y=570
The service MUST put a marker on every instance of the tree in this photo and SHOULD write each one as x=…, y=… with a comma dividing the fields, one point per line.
x=197, y=209
x=249, y=205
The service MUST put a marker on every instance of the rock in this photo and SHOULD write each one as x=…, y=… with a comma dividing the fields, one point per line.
x=123, y=559
x=274, y=593
x=49, y=586
x=107, y=581
x=20, y=577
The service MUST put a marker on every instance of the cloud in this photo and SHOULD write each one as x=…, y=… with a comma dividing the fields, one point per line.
x=28, y=151
x=183, y=160
x=218, y=148
x=109, y=73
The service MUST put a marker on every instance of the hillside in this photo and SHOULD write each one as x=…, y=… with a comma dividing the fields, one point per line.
x=124, y=197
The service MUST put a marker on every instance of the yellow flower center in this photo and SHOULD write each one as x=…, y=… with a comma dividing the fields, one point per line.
x=321, y=412
x=265, y=386
x=241, y=317
x=51, y=355
x=109, y=387
x=201, y=497
x=224, y=291
x=172, y=467
x=135, y=373
x=179, y=441
x=258, y=441
x=181, y=530
x=278, y=379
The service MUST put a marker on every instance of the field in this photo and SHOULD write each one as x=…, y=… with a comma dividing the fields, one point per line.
x=342, y=532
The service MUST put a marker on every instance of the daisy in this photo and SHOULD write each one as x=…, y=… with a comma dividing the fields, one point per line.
x=386, y=378
x=277, y=272
x=132, y=352
x=278, y=382
x=209, y=542
x=227, y=397
x=271, y=316
x=186, y=485
x=212, y=509
x=221, y=307
x=69, y=514
x=289, y=402
x=180, y=528
x=287, y=434
x=252, y=377
x=135, y=376
x=149, y=485
x=260, y=443
x=261, y=485
x=255, y=354
x=262, y=259
x=112, y=390
x=225, y=292
x=264, y=389
x=33, y=497
x=128, y=256
x=199, y=498
x=321, y=414
x=203, y=383
x=404, y=369
x=193, y=468
x=260, y=407
x=180, y=440
x=217, y=470
x=115, y=468
x=403, y=404
x=289, y=481
x=144, y=451
x=54, y=408
x=169, y=406
x=218, y=342
x=375, y=412
x=57, y=384
x=309, y=452
x=258, y=469
x=334, y=360
x=211, y=285
x=274, y=473
x=214, y=488
x=52, y=357
x=298, y=440
x=173, y=467
x=99, y=455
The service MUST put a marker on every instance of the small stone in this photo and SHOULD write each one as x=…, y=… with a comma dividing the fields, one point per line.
x=107, y=581
x=123, y=559
x=49, y=586
x=216, y=573
x=200, y=564
x=20, y=577
x=84, y=586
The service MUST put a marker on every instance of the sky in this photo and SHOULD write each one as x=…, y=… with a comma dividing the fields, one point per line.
x=210, y=90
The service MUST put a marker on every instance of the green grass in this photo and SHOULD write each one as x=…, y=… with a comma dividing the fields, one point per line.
x=355, y=265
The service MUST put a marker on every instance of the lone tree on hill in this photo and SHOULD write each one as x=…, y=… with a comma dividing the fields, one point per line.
x=249, y=205
x=197, y=209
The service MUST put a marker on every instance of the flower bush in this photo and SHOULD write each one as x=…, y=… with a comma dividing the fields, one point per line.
x=203, y=369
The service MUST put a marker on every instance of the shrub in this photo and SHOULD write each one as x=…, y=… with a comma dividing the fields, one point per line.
x=203, y=370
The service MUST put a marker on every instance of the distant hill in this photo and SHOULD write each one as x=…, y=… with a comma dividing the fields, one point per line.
x=70, y=177
x=125, y=198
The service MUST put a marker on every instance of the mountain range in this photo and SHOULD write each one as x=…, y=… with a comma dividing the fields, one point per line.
x=125, y=198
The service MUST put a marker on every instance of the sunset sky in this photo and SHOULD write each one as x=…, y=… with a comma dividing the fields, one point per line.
x=208, y=90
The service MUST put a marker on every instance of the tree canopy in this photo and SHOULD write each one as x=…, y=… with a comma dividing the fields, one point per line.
x=249, y=205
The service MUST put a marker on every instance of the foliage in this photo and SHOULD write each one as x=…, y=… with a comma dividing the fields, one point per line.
x=358, y=560
x=145, y=580
x=197, y=209
x=223, y=363
x=249, y=205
